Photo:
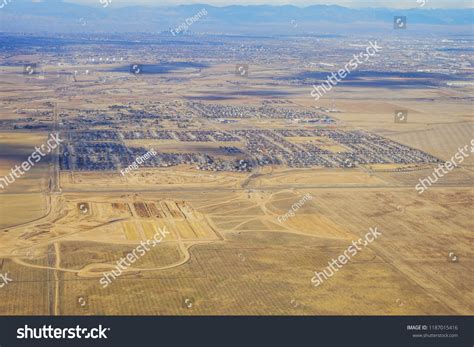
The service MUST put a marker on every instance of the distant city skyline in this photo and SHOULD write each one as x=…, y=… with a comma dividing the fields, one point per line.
x=302, y=3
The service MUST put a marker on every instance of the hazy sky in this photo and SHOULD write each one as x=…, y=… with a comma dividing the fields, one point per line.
x=347, y=3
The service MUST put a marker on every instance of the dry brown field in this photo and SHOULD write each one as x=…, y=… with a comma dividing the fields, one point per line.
x=227, y=253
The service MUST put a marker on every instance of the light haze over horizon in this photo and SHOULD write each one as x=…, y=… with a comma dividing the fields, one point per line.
x=301, y=3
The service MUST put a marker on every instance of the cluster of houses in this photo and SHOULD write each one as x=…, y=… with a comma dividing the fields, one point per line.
x=107, y=149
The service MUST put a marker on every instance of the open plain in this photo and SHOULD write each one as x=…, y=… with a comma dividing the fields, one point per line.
x=235, y=153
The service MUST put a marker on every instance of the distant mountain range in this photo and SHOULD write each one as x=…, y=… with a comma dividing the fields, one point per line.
x=60, y=16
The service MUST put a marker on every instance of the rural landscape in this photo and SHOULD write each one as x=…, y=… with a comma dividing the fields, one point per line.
x=206, y=166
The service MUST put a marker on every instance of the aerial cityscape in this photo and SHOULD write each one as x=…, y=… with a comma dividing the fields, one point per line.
x=236, y=160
